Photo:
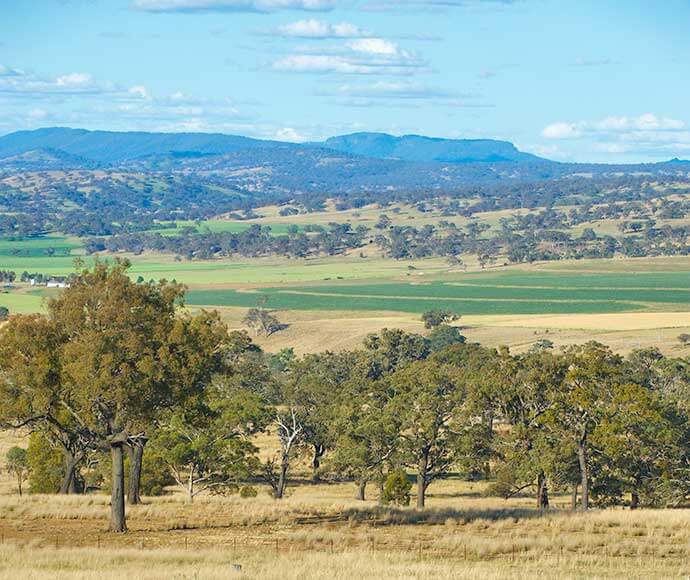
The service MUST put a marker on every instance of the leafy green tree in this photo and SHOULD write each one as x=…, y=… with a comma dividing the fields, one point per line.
x=46, y=465
x=395, y=348
x=530, y=385
x=208, y=449
x=367, y=435
x=581, y=402
x=261, y=320
x=33, y=393
x=437, y=317
x=313, y=387
x=444, y=336
x=427, y=402
x=17, y=464
x=639, y=443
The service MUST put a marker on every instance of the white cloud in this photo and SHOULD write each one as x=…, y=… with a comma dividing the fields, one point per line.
x=361, y=56
x=644, y=124
x=644, y=136
x=37, y=114
x=190, y=6
x=319, y=29
x=289, y=134
x=560, y=131
x=375, y=46
x=321, y=63
x=73, y=80
x=139, y=91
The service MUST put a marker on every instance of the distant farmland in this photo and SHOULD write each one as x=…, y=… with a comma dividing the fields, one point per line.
x=482, y=294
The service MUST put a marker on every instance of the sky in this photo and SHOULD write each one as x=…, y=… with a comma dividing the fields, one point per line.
x=597, y=81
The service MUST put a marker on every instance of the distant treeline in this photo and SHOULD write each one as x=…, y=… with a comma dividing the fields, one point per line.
x=546, y=235
x=106, y=203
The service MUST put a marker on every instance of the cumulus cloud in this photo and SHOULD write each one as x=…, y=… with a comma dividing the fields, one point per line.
x=73, y=80
x=560, y=131
x=360, y=56
x=319, y=29
x=191, y=6
x=29, y=99
x=646, y=135
x=289, y=134
x=647, y=123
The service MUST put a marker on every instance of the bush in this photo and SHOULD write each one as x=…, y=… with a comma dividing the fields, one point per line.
x=248, y=491
x=46, y=465
x=396, y=489
x=684, y=338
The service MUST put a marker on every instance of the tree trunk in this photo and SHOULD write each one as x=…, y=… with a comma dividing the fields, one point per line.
x=573, y=497
x=361, y=489
x=282, y=479
x=542, y=492
x=136, y=457
x=69, y=483
x=422, y=479
x=634, y=500
x=381, y=484
x=584, y=471
x=19, y=484
x=117, y=488
x=190, y=486
x=319, y=450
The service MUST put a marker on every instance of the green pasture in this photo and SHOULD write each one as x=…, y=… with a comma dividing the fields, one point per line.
x=510, y=292
x=21, y=303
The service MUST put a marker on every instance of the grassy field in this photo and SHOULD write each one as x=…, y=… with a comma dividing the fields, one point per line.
x=490, y=293
x=334, y=302
x=319, y=531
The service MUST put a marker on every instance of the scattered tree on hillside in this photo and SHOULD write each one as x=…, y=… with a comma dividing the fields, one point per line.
x=437, y=317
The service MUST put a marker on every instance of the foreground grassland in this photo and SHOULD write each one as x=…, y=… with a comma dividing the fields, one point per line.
x=319, y=532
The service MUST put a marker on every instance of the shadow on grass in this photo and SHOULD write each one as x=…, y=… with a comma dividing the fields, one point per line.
x=391, y=516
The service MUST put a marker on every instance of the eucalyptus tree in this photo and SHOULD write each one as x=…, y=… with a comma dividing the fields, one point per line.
x=531, y=383
x=427, y=400
x=366, y=438
x=582, y=401
x=33, y=393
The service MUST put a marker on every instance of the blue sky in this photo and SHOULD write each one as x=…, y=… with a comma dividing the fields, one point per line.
x=604, y=81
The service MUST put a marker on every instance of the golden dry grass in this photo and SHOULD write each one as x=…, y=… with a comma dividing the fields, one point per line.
x=320, y=532
x=315, y=331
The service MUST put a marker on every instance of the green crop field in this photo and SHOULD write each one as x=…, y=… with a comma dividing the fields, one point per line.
x=480, y=294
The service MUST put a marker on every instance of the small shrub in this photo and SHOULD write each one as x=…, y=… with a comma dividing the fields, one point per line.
x=248, y=491
x=396, y=489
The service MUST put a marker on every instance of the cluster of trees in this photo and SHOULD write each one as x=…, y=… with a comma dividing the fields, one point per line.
x=544, y=235
x=115, y=369
x=255, y=241
x=7, y=276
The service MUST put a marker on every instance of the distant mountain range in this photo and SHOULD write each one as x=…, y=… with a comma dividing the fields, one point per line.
x=113, y=147
x=418, y=148
x=360, y=161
